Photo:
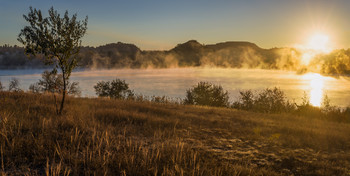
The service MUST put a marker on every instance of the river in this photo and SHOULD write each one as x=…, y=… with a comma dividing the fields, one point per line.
x=174, y=82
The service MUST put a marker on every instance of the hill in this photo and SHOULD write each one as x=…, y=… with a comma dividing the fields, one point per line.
x=194, y=54
x=190, y=54
x=115, y=137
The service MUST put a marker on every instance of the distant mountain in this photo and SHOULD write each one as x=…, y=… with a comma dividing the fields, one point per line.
x=192, y=54
x=233, y=54
x=114, y=55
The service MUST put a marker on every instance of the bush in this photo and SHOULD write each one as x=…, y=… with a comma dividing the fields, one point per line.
x=207, y=94
x=268, y=101
x=73, y=89
x=1, y=87
x=274, y=101
x=53, y=82
x=246, y=100
x=118, y=89
x=347, y=111
x=326, y=110
x=35, y=88
x=14, y=85
x=271, y=100
x=50, y=82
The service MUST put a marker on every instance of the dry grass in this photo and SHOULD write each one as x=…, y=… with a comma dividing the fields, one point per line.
x=114, y=137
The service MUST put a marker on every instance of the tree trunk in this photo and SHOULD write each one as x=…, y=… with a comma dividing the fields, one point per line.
x=54, y=96
x=63, y=94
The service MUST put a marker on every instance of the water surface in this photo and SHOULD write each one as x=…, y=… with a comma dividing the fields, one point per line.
x=175, y=82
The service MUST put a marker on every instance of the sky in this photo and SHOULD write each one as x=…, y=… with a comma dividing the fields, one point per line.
x=162, y=24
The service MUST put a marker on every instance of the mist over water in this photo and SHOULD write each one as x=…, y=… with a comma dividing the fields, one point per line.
x=175, y=82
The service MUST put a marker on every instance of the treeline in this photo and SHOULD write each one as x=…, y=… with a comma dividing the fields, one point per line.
x=12, y=57
x=190, y=54
x=336, y=63
x=194, y=54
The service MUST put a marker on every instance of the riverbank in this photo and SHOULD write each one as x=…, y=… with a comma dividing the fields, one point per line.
x=119, y=137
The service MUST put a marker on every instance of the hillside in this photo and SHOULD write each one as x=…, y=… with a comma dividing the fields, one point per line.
x=193, y=54
x=188, y=54
x=114, y=137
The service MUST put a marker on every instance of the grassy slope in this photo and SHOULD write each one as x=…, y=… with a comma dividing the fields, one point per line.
x=113, y=137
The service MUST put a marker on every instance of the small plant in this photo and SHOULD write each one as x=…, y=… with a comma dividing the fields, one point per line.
x=161, y=99
x=207, y=94
x=275, y=137
x=117, y=88
x=73, y=89
x=1, y=87
x=35, y=88
x=50, y=82
x=53, y=83
x=306, y=109
x=326, y=106
x=305, y=100
x=257, y=131
x=14, y=85
x=347, y=111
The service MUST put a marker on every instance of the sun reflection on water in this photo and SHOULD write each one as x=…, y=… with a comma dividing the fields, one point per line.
x=316, y=87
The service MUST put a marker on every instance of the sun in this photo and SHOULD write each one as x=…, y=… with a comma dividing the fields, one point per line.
x=319, y=42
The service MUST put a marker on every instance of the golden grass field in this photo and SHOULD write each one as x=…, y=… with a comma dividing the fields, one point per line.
x=96, y=136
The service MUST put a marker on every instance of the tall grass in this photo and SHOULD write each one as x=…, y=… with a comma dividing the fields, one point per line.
x=124, y=137
x=97, y=136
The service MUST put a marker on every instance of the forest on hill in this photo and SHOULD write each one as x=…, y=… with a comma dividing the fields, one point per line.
x=193, y=54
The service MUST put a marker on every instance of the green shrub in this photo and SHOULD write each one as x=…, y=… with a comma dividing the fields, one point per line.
x=272, y=100
x=118, y=89
x=267, y=101
x=246, y=100
x=207, y=94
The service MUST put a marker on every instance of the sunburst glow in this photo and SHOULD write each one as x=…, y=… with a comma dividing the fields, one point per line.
x=319, y=42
